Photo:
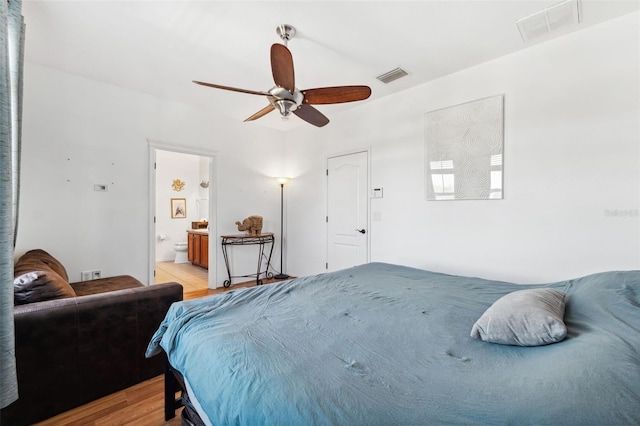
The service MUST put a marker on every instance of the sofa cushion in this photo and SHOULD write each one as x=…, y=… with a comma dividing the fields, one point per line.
x=104, y=285
x=36, y=286
x=39, y=260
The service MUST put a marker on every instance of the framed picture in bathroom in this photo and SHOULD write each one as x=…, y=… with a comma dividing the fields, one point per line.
x=178, y=208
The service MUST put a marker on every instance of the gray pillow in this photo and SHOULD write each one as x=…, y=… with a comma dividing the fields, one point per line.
x=524, y=318
x=37, y=286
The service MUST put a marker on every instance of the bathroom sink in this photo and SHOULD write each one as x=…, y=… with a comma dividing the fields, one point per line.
x=199, y=231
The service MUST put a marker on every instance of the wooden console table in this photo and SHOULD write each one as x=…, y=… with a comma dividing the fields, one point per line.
x=244, y=240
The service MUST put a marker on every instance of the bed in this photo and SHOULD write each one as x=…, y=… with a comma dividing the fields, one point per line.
x=382, y=344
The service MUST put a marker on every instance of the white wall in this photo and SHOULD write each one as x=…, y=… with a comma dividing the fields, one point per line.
x=79, y=132
x=572, y=156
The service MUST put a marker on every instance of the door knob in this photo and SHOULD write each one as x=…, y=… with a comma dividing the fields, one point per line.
x=362, y=231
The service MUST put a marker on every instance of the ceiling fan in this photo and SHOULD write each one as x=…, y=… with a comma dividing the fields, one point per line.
x=286, y=97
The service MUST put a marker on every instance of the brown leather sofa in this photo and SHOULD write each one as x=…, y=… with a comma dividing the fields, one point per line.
x=78, y=343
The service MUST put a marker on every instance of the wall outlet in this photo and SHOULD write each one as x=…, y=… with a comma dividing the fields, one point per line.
x=85, y=275
x=96, y=274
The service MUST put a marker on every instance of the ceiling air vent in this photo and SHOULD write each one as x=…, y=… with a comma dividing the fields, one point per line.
x=556, y=17
x=395, y=74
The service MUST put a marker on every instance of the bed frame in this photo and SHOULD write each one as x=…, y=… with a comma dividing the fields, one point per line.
x=174, y=383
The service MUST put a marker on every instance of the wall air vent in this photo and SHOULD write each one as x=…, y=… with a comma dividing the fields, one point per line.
x=395, y=74
x=559, y=16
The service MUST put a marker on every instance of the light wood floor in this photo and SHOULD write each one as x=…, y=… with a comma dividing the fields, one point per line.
x=142, y=404
x=190, y=276
x=139, y=405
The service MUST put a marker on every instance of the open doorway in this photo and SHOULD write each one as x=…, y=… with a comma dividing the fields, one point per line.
x=182, y=204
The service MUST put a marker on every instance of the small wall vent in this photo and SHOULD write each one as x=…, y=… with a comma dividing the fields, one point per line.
x=392, y=75
x=553, y=18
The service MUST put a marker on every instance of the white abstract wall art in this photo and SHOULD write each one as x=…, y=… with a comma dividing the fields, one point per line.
x=464, y=151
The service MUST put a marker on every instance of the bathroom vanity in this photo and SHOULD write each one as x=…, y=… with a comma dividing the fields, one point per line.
x=198, y=247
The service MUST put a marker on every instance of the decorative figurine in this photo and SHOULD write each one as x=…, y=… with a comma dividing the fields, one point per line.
x=253, y=224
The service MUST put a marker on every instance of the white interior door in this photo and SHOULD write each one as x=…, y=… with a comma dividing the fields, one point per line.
x=347, y=211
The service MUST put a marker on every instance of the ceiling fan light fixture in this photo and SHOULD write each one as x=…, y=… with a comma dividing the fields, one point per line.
x=285, y=101
x=286, y=106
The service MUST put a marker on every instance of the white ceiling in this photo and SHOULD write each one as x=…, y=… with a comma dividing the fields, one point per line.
x=159, y=47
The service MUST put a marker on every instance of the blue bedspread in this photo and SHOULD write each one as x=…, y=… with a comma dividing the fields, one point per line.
x=382, y=344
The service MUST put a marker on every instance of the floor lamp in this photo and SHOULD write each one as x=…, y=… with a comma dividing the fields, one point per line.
x=281, y=181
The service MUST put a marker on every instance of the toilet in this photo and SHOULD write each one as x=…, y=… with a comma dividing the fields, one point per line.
x=181, y=252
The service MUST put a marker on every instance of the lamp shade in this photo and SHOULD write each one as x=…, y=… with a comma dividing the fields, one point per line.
x=282, y=180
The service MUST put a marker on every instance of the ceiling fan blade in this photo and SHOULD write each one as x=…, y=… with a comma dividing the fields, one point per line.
x=233, y=89
x=336, y=95
x=264, y=111
x=311, y=115
x=282, y=67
